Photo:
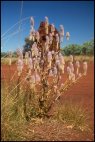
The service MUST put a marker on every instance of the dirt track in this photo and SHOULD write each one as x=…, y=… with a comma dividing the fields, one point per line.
x=81, y=93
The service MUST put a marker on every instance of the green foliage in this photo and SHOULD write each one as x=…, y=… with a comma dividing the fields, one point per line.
x=27, y=46
x=3, y=54
x=86, y=49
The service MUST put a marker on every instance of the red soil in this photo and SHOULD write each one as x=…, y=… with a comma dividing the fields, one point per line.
x=82, y=93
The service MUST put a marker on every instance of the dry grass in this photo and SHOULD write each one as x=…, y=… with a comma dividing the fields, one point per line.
x=73, y=115
x=15, y=127
x=5, y=61
x=80, y=58
x=11, y=120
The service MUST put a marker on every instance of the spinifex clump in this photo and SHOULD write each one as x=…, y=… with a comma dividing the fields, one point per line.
x=45, y=65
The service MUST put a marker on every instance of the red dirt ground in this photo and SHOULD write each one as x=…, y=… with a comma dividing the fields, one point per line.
x=81, y=93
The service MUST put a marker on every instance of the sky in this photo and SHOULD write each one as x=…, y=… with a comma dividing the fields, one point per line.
x=77, y=17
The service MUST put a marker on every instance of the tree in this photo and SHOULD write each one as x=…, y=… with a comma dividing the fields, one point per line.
x=86, y=49
x=28, y=45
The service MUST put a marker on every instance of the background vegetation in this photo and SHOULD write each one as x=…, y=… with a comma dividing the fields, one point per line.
x=86, y=48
